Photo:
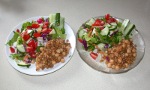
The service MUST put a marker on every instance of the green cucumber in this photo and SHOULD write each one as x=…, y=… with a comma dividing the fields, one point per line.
x=108, y=25
x=101, y=46
x=90, y=22
x=21, y=48
x=129, y=29
x=87, y=38
x=105, y=31
x=124, y=25
x=23, y=64
x=81, y=33
x=52, y=18
x=114, y=24
x=113, y=27
x=57, y=19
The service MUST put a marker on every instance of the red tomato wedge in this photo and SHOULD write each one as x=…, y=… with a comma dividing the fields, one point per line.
x=29, y=49
x=46, y=30
x=12, y=50
x=35, y=25
x=32, y=43
x=25, y=36
x=97, y=22
x=80, y=40
x=36, y=34
x=94, y=55
x=32, y=54
x=107, y=16
x=18, y=30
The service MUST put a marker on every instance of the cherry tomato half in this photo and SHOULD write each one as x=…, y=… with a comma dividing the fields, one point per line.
x=97, y=22
x=29, y=49
x=32, y=43
x=12, y=50
x=25, y=36
x=107, y=16
x=93, y=55
x=36, y=34
x=35, y=25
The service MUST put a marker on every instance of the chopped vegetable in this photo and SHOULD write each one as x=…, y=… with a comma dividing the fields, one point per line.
x=25, y=44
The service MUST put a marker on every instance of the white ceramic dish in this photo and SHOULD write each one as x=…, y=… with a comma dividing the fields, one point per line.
x=32, y=69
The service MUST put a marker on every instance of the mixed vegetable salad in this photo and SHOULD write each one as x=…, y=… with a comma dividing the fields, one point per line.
x=103, y=33
x=26, y=42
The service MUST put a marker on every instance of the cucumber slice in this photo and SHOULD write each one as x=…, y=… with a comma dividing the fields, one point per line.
x=53, y=31
x=114, y=24
x=57, y=19
x=101, y=46
x=52, y=18
x=21, y=48
x=91, y=21
x=87, y=38
x=105, y=31
x=124, y=25
x=81, y=33
x=23, y=64
x=107, y=25
x=129, y=29
x=113, y=27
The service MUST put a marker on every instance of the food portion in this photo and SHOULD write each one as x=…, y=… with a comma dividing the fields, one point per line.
x=54, y=52
x=27, y=42
x=111, y=38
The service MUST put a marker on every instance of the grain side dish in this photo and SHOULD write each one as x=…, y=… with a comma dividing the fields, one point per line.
x=111, y=38
x=41, y=42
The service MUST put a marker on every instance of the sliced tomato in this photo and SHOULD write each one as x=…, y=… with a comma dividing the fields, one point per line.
x=102, y=27
x=113, y=19
x=46, y=23
x=29, y=27
x=93, y=55
x=107, y=16
x=35, y=25
x=46, y=30
x=36, y=34
x=80, y=40
x=12, y=50
x=32, y=54
x=29, y=49
x=45, y=26
x=18, y=30
x=40, y=20
x=25, y=36
x=32, y=43
x=97, y=22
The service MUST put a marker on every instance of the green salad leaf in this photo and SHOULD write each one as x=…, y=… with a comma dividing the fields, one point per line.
x=14, y=39
x=25, y=25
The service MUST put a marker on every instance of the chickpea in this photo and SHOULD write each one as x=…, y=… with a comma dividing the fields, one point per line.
x=116, y=54
x=123, y=45
x=117, y=67
x=111, y=61
x=134, y=54
x=128, y=50
x=126, y=65
x=126, y=41
x=58, y=51
x=53, y=62
x=109, y=65
x=133, y=50
x=113, y=66
x=62, y=60
x=126, y=54
x=119, y=59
